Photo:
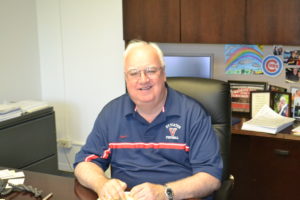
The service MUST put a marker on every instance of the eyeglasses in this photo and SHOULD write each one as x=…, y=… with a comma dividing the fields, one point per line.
x=150, y=72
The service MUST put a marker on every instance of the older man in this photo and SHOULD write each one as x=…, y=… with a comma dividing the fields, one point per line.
x=159, y=142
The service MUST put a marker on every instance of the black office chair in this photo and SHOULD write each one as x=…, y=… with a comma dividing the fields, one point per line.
x=214, y=95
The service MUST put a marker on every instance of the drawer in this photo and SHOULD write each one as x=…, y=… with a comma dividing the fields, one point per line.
x=275, y=168
x=28, y=142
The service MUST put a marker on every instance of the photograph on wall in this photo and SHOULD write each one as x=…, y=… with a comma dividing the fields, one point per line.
x=291, y=57
x=276, y=88
x=277, y=50
x=240, y=94
x=295, y=107
x=282, y=103
x=243, y=59
x=292, y=75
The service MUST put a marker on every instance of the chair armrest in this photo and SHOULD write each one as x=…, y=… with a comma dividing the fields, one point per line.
x=225, y=190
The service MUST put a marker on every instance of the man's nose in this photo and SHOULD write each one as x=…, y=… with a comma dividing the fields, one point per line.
x=144, y=77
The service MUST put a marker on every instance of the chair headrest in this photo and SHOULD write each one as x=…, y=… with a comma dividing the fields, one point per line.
x=213, y=94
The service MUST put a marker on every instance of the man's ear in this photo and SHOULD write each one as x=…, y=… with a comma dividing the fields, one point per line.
x=126, y=91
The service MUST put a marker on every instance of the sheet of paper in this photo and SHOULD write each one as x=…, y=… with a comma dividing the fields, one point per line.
x=15, y=181
x=8, y=174
x=128, y=197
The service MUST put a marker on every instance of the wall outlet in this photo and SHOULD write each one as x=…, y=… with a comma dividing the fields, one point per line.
x=64, y=143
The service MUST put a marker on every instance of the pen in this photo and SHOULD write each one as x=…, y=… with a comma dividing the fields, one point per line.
x=48, y=196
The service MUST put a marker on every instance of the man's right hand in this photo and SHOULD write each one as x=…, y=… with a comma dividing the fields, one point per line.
x=112, y=189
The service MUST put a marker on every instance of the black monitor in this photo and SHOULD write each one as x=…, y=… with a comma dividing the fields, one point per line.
x=189, y=65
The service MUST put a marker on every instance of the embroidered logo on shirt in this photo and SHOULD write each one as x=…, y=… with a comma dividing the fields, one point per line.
x=123, y=136
x=172, y=131
x=173, y=128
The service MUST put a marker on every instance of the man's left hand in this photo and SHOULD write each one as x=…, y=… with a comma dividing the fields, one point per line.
x=148, y=191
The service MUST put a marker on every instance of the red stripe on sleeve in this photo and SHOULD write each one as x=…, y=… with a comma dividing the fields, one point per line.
x=106, y=154
x=90, y=157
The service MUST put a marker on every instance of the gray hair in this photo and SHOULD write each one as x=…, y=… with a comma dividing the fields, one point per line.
x=137, y=43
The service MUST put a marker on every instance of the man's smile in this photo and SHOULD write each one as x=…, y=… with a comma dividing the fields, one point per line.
x=146, y=88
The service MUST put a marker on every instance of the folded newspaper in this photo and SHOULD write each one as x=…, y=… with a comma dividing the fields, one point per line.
x=268, y=121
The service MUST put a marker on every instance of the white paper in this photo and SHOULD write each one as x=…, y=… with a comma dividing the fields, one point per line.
x=8, y=174
x=297, y=129
x=15, y=181
x=128, y=197
x=267, y=120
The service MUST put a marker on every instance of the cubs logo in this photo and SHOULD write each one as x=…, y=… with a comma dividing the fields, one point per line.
x=173, y=128
x=272, y=66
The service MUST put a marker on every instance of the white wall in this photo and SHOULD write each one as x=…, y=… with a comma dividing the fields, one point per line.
x=19, y=53
x=81, y=46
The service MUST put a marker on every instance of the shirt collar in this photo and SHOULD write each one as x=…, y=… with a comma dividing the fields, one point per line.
x=129, y=106
x=171, y=107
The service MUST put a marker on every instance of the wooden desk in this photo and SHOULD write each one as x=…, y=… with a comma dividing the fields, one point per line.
x=265, y=166
x=284, y=134
x=63, y=188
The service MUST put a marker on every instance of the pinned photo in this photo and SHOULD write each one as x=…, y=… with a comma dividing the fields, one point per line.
x=295, y=91
x=291, y=57
x=277, y=50
x=292, y=75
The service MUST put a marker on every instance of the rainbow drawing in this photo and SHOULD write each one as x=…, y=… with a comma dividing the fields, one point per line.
x=243, y=59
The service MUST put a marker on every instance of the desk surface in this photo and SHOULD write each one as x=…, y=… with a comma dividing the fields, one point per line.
x=63, y=188
x=284, y=134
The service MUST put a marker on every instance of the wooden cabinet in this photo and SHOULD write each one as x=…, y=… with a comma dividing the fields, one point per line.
x=265, y=168
x=213, y=21
x=273, y=22
x=151, y=20
x=275, y=168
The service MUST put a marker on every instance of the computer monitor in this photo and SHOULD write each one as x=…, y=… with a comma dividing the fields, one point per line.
x=189, y=65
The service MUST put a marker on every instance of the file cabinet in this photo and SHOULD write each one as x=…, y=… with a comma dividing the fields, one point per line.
x=29, y=142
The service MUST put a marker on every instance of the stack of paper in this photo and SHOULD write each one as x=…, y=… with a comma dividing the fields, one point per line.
x=267, y=120
x=16, y=109
x=29, y=106
x=13, y=177
x=9, y=111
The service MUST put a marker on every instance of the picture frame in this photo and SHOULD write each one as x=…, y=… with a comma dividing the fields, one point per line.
x=277, y=88
x=240, y=94
x=258, y=99
x=295, y=105
x=280, y=102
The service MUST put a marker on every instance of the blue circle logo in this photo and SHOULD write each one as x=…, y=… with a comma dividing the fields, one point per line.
x=272, y=66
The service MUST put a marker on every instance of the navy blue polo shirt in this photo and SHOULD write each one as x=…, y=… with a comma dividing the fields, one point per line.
x=178, y=143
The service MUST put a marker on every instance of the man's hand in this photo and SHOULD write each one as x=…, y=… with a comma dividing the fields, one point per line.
x=112, y=189
x=148, y=191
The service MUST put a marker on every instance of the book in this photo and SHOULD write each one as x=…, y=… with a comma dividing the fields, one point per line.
x=268, y=121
